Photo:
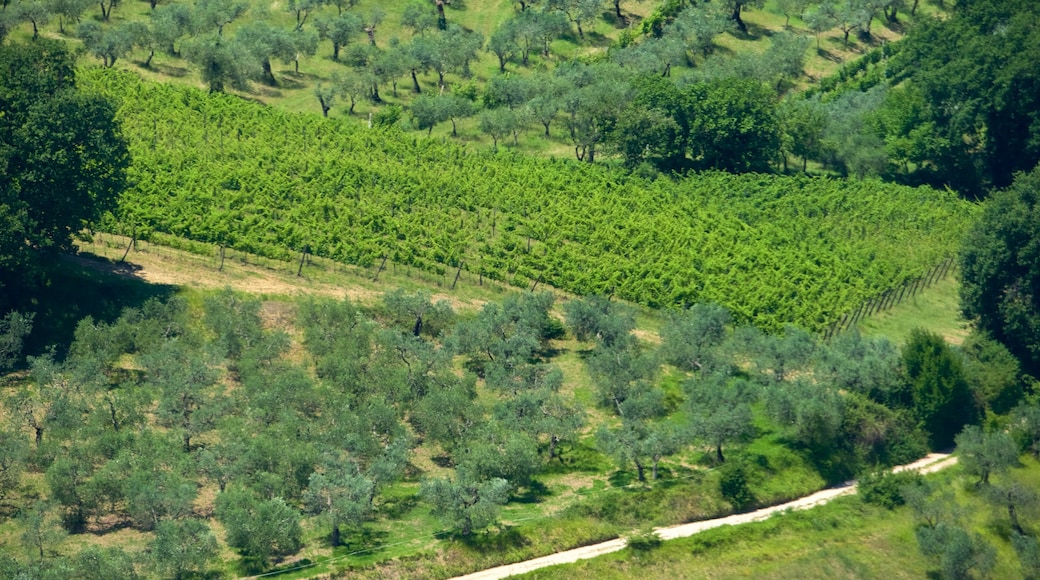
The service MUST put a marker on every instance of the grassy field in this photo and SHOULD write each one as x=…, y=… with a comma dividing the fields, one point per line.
x=844, y=539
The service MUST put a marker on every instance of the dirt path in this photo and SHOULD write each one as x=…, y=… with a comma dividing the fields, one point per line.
x=933, y=462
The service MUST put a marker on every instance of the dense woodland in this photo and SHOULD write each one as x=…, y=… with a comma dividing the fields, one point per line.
x=204, y=433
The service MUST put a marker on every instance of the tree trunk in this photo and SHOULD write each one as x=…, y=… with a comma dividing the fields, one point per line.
x=617, y=10
x=718, y=453
x=546, y=123
x=442, y=20
x=415, y=83
x=335, y=51
x=736, y=17
x=335, y=535
x=640, y=471
x=501, y=62
x=1013, y=514
x=371, y=32
x=148, y=61
x=268, y=73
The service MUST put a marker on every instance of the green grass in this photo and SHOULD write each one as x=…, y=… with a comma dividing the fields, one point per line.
x=843, y=539
x=936, y=308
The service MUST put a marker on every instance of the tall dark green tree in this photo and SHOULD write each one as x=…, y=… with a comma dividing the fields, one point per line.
x=938, y=391
x=1000, y=270
x=62, y=157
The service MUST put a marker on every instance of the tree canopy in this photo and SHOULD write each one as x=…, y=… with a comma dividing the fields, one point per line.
x=62, y=157
x=1000, y=270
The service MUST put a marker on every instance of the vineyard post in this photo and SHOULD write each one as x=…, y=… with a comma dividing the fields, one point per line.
x=299, y=270
x=841, y=324
x=457, y=274
x=133, y=240
x=902, y=291
x=380, y=270
x=221, y=268
x=884, y=301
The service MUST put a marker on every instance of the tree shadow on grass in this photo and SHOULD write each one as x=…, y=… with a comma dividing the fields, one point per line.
x=505, y=539
x=534, y=492
x=82, y=286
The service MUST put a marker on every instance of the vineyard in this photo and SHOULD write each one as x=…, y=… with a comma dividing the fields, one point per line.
x=773, y=249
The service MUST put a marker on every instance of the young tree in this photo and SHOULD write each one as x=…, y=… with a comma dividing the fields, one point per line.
x=691, y=338
x=956, y=552
x=419, y=18
x=983, y=454
x=340, y=30
x=211, y=16
x=169, y=23
x=264, y=42
x=68, y=11
x=340, y=494
x=579, y=12
x=259, y=529
x=182, y=548
x=326, y=95
x=187, y=402
x=301, y=9
x=107, y=43
x=719, y=410
x=221, y=62
x=467, y=506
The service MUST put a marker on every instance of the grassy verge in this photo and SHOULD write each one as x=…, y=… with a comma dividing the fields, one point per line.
x=843, y=539
x=936, y=308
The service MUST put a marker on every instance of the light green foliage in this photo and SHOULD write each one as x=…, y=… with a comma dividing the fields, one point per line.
x=719, y=410
x=97, y=562
x=467, y=506
x=14, y=327
x=1028, y=551
x=597, y=318
x=868, y=366
x=340, y=493
x=692, y=241
x=260, y=529
x=107, y=43
x=982, y=454
x=958, y=553
x=221, y=61
x=182, y=547
x=1025, y=427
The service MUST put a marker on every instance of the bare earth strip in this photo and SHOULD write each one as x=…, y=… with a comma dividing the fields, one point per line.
x=931, y=463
